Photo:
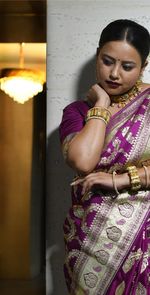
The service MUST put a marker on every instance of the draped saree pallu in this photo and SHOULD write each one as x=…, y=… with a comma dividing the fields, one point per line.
x=107, y=237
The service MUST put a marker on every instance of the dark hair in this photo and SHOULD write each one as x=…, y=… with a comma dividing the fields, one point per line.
x=124, y=29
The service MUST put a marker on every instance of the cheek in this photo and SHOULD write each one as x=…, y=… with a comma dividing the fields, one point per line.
x=101, y=71
x=131, y=77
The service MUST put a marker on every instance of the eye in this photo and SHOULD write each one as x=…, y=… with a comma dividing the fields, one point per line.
x=107, y=62
x=127, y=67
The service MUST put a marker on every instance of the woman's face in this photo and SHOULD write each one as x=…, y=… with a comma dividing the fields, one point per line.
x=118, y=67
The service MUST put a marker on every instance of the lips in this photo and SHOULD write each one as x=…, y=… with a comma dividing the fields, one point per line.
x=112, y=84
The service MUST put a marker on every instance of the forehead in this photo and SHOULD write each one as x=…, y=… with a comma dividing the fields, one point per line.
x=121, y=50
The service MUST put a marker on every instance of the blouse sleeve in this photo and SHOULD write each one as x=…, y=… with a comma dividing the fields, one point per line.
x=73, y=119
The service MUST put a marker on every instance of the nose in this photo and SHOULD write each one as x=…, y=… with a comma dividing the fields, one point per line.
x=114, y=74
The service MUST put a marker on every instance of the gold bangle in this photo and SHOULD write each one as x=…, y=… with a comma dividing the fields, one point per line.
x=98, y=112
x=96, y=117
x=146, y=176
x=114, y=182
x=94, y=110
x=134, y=178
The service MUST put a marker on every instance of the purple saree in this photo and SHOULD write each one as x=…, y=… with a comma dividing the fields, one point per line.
x=107, y=238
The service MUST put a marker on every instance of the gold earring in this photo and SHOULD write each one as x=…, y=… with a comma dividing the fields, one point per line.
x=139, y=81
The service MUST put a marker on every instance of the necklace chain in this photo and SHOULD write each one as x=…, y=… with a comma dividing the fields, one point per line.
x=122, y=100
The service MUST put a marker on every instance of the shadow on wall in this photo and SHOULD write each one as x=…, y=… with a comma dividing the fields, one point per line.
x=86, y=78
x=59, y=176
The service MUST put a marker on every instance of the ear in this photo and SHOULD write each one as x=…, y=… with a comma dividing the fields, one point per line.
x=144, y=66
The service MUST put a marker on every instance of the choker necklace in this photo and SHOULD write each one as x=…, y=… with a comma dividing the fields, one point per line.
x=123, y=99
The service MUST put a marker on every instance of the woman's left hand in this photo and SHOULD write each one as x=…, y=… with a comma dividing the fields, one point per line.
x=95, y=180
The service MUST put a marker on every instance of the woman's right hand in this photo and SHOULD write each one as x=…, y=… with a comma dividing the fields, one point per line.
x=97, y=96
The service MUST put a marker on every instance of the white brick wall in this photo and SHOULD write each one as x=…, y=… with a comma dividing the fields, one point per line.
x=73, y=30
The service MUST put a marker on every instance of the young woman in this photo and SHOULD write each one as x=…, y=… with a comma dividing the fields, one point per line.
x=106, y=140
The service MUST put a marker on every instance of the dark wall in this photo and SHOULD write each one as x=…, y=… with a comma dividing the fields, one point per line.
x=23, y=21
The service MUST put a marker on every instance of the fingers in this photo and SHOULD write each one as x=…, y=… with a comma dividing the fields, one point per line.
x=78, y=181
x=85, y=186
x=87, y=182
x=95, y=180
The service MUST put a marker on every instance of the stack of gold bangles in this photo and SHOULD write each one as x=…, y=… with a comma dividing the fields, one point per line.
x=98, y=113
x=134, y=178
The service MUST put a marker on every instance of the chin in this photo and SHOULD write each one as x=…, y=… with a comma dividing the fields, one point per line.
x=113, y=91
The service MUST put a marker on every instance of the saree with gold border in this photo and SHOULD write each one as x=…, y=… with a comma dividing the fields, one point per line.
x=107, y=238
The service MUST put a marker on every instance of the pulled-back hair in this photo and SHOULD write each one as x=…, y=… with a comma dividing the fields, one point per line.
x=130, y=31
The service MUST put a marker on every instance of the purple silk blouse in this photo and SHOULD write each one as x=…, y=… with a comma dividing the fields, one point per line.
x=73, y=118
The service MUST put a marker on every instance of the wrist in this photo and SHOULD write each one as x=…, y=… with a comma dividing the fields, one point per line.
x=100, y=113
x=123, y=181
x=144, y=174
x=103, y=102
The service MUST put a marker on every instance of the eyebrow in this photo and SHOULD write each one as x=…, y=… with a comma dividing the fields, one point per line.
x=124, y=61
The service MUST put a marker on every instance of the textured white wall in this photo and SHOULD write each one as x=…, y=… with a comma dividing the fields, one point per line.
x=73, y=29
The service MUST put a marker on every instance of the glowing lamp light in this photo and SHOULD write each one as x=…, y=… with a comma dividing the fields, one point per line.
x=20, y=83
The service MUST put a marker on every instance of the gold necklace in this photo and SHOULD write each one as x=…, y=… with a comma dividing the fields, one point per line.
x=123, y=99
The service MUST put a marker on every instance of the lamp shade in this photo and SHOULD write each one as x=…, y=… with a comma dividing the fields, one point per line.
x=21, y=84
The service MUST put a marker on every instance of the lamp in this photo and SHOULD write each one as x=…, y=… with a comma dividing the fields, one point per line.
x=21, y=83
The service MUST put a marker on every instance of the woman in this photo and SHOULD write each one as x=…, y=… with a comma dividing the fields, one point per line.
x=106, y=139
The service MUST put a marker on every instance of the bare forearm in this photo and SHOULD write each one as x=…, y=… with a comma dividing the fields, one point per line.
x=117, y=183
x=86, y=147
